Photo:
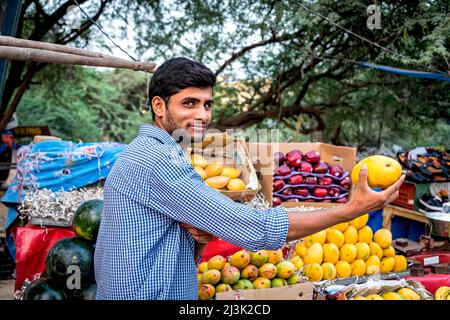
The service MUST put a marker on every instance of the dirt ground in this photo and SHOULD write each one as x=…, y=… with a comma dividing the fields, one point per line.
x=7, y=289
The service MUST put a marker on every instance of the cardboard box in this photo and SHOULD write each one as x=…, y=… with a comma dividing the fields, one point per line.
x=233, y=152
x=262, y=158
x=406, y=196
x=301, y=291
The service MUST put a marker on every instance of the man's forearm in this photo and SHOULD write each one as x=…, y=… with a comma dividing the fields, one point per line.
x=305, y=223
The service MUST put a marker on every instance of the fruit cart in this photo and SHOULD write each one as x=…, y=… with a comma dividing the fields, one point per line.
x=44, y=208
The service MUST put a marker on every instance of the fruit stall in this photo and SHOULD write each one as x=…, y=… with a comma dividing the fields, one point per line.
x=57, y=200
x=358, y=260
x=54, y=208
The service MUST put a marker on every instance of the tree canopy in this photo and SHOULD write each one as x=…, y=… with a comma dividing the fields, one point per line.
x=279, y=65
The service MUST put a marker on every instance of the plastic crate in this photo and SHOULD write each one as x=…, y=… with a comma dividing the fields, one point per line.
x=405, y=228
x=375, y=220
x=406, y=196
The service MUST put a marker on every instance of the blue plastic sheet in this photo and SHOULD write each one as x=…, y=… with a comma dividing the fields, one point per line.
x=57, y=166
x=408, y=73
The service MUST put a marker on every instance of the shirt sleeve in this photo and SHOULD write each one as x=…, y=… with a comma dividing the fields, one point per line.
x=179, y=192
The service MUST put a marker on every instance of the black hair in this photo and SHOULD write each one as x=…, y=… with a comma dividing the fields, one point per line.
x=177, y=74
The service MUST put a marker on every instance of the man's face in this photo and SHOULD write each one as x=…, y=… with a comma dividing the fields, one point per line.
x=189, y=110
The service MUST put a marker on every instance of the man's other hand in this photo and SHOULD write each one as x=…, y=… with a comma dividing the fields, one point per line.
x=199, y=235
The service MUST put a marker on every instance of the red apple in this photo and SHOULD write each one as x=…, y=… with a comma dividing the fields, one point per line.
x=295, y=179
x=278, y=158
x=306, y=167
x=278, y=184
x=276, y=201
x=319, y=192
x=287, y=192
x=303, y=192
x=342, y=200
x=310, y=180
x=294, y=158
x=325, y=181
x=336, y=171
x=346, y=182
x=334, y=192
x=321, y=167
x=312, y=156
x=283, y=170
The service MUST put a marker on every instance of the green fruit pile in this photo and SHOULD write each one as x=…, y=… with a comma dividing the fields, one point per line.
x=244, y=271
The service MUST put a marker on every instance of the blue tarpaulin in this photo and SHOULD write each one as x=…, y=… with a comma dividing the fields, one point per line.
x=409, y=73
x=57, y=166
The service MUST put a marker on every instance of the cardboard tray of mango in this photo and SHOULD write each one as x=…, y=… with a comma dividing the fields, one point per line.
x=224, y=163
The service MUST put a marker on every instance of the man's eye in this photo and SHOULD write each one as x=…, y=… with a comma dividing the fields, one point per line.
x=190, y=104
x=208, y=106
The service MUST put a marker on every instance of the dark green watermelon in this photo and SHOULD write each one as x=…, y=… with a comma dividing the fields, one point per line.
x=86, y=220
x=44, y=289
x=89, y=292
x=70, y=252
x=86, y=293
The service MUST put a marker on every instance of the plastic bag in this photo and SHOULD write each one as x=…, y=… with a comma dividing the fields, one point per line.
x=33, y=243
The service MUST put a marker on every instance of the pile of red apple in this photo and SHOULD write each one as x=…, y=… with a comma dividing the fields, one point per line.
x=302, y=177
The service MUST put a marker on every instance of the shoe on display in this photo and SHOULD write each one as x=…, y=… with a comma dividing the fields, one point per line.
x=415, y=177
x=430, y=204
x=446, y=207
x=425, y=164
x=443, y=194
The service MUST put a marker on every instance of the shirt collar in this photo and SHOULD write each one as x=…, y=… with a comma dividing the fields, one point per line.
x=157, y=133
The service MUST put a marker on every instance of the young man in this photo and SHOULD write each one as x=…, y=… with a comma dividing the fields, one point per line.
x=156, y=205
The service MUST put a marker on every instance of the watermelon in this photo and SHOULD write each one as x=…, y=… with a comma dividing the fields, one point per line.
x=86, y=220
x=70, y=252
x=86, y=293
x=44, y=289
x=89, y=292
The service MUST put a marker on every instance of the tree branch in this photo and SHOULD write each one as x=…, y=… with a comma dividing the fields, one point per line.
x=248, y=118
x=39, y=9
x=273, y=39
x=41, y=29
x=86, y=25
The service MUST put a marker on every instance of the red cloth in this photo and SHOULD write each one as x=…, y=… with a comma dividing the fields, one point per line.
x=444, y=257
x=32, y=245
x=432, y=282
x=218, y=247
x=225, y=249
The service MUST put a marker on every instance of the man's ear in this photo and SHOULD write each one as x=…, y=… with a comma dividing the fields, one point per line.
x=159, y=106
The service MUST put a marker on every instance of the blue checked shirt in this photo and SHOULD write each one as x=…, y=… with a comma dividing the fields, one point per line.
x=142, y=251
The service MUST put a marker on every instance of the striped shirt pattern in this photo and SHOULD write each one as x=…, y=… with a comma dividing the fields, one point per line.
x=142, y=251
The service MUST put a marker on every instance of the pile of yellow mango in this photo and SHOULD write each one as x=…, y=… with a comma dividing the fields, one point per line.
x=216, y=175
x=347, y=249
x=442, y=293
x=400, y=294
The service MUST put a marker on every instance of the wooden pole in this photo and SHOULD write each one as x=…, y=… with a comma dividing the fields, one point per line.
x=39, y=55
x=28, y=50
x=23, y=43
